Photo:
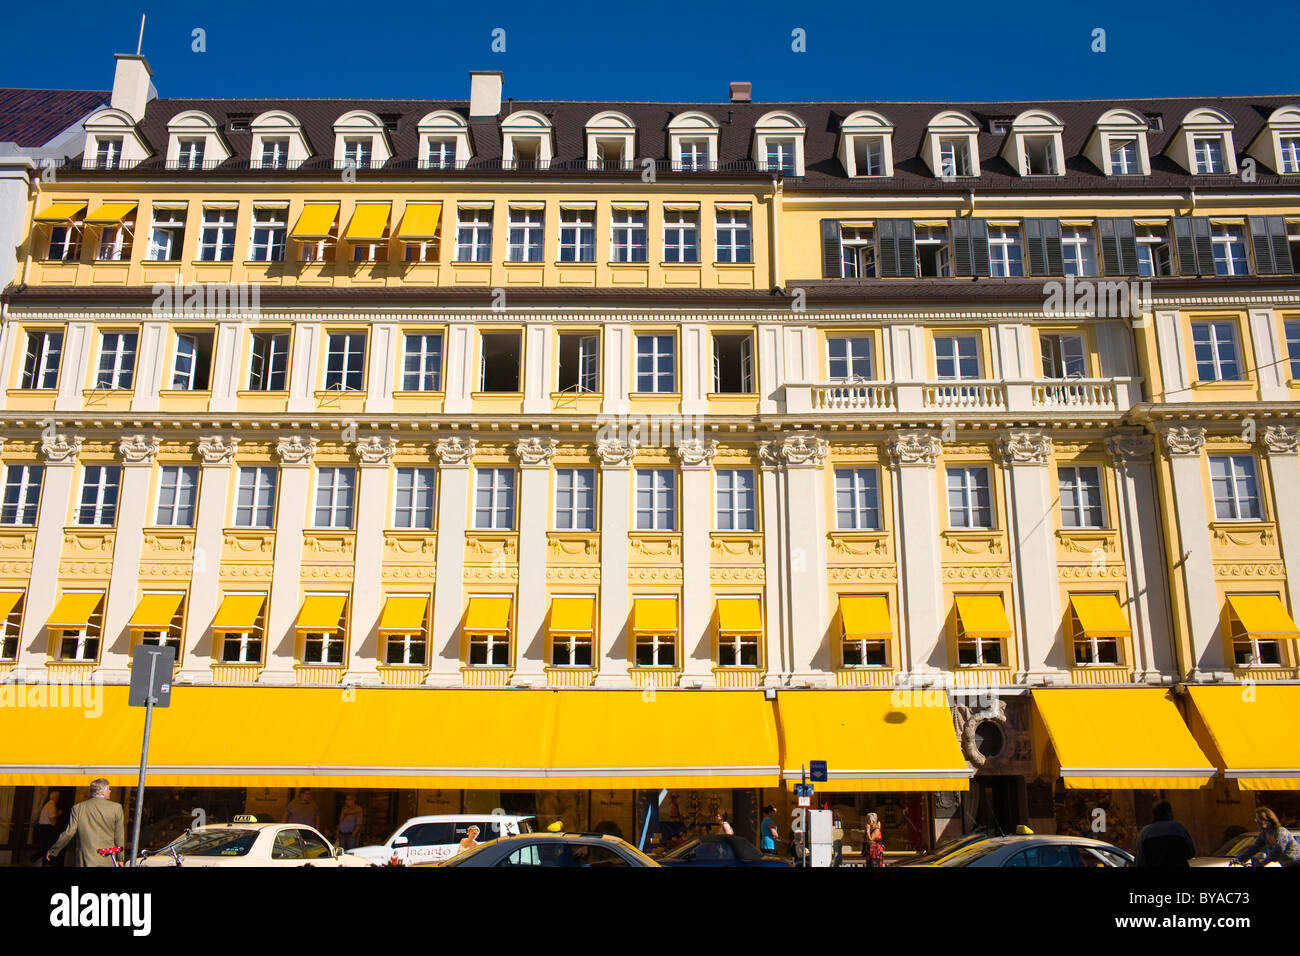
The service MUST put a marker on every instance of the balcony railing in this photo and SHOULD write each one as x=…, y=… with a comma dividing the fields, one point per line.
x=1080, y=395
x=965, y=396
x=854, y=398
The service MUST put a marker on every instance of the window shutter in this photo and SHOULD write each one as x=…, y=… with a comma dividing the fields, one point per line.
x=896, y=248
x=1043, y=243
x=1192, y=238
x=1269, y=243
x=905, y=241
x=979, y=247
x=970, y=246
x=1118, y=246
x=832, y=258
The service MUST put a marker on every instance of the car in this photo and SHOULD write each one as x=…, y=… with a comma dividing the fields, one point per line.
x=551, y=850
x=1036, y=851
x=428, y=839
x=943, y=849
x=1231, y=848
x=719, y=850
x=245, y=842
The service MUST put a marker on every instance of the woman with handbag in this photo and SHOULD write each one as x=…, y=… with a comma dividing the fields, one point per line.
x=873, y=843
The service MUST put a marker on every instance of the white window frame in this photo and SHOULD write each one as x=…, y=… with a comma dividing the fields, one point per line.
x=1079, y=515
x=655, y=376
x=681, y=234
x=970, y=511
x=735, y=236
x=525, y=234
x=120, y=373
x=949, y=348
x=732, y=511
x=175, y=476
x=1203, y=160
x=167, y=234
x=473, y=234
x=217, y=234
x=1229, y=243
x=1003, y=240
x=1238, y=482
x=577, y=238
x=1078, y=251
x=265, y=479
x=422, y=482
x=658, y=516
x=27, y=505
x=429, y=359
x=47, y=360
x=865, y=495
x=101, y=508
x=1221, y=339
x=349, y=347
x=270, y=231
x=501, y=503
x=576, y=517
x=858, y=353
x=629, y=235
x=338, y=512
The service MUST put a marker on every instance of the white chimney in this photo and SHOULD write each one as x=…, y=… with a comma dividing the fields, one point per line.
x=132, y=85
x=484, y=92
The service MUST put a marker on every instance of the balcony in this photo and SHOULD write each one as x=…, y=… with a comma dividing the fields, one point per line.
x=972, y=396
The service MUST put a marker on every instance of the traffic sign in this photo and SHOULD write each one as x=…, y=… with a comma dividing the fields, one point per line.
x=151, y=675
x=803, y=793
x=817, y=771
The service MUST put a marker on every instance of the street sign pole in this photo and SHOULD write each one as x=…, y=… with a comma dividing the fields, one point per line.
x=144, y=763
x=154, y=662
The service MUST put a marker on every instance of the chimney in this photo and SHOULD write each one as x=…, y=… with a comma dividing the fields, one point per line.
x=132, y=86
x=741, y=92
x=484, y=93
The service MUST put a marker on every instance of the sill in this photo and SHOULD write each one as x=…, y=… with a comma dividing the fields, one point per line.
x=496, y=395
x=641, y=265
x=584, y=263
x=734, y=265
x=672, y=265
x=226, y=263
x=1225, y=383
x=653, y=395
x=32, y=392
x=260, y=393
x=259, y=263
x=184, y=393
x=324, y=393
x=418, y=393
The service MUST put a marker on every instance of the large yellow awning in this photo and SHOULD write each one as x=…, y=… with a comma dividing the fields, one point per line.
x=238, y=612
x=653, y=615
x=8, y=601
x=73, y=612
x=403, y=614
x=1249, y=731
x=1263, y=615
x=1118, y=738
x=1100, y=615
x=983, y=615
x=111, y=213
x=739, y=616
x=62, y=211
x=316, y=221
x=155, y=612
x=572, y=615
x=321, y=612
x=420, y=221
x=488, y=615
x=871, y=740
x=369, y=222
x=865, y=617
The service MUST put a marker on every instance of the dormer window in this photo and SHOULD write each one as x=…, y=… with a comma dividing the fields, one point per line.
x=444, y=141
x=440, y=153
x=1277, y=146
x=954, y=157
x=357, y=151
x=1118, y=144
x=869, y=155
x=611, y=141
x=1033, y=144
x=527, y=149
x=278, y=141
x=275, y=152
x=190, y=155
x=108, y=152
x=949, y=145
x=866, y=141
x=693, y=142
x=195, y=142
x=780, y=156
x=1040, y=157
x=1203, y=145
x=1124, y=156
x=1289, y=149
x=360, y=141
x=695, y=155
x=527, y=141
x=778, y=144
x=1208, y=153
x=112, y=141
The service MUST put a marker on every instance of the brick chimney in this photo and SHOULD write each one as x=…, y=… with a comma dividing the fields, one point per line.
x=132, y=85
x=741, y=92
x=484, y=93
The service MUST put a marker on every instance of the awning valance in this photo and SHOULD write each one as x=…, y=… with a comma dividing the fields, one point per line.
x=1263, y=615
x=321, y=612
x=1249, y=731
x=316, y=221
x=740, y=615
x=369, y=222
x=983, y=615
x=62, y=211
x=238, y=612
x=654, y=615
x=155, y=612
x=488, y=615
x=572, y=615
x=865, y=617
x=1100, y=615
x=420, y=221
x=403, y=614
x=112, y=213
x=74, y=611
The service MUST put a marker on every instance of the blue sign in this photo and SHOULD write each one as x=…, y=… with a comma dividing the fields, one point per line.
x=803, y=789
x=817, y=771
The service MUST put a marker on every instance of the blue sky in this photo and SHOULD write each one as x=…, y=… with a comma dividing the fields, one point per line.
x=672, y=50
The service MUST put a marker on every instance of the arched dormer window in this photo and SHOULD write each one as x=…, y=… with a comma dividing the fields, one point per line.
x=693, y=142
x=866, y=145
x=1278, y=144
x=1033, y=144
x=950, y=147
x=112, y=141
x=1118, y=144
x=527, y=141
x=778, y=143
x=278, y=141
x=194, y=142
x=444, y=140
x=611, y=141
x=1203, y=143
x=360, y=140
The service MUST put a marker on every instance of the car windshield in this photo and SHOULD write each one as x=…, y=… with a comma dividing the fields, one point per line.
x=223, y=842
x=965, y=856
x=944, y=849
x=716, y=849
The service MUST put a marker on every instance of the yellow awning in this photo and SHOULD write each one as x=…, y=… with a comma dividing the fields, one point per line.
x=321, y=612
x=1263, y=615
x=403, y=613
x=1100, y=615
x=8, y=601
x=655, y=615
x=73, y=612
x=572, y=615
x=112, y=213
x=871, y=740
x=1118, y=738
x=865, y=617
x=739, y=616
x=155, y=612
x=420, y=221
x=488, y=615
x=369, y=222
x=62, y=211
x=1249, y=731
x=982, y=615
x=238, y=612
x=316, y=221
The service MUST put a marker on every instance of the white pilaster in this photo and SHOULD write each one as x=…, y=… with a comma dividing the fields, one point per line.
x=770, y=367
x=462, y=377
x=619, y=344
x=138, y=453
x=696, y=369
x=217, y=454
x=57, y=488
x=150, y=367
x=1270, y=363
x=227, y=374
x=302, y=367
x=615, y=498
x=78, y=349
x=696, y=458
x=777, y=654
x=455, y=456
x=538, y=369
x=535, y=455
x=381, y=377
x=292, y=500
x=1282, y=442
x=375, y=456
x=915, y=455
x=1173, y=361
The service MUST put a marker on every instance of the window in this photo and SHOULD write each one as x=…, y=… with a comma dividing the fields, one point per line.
x=426, y=250
x=857, y=499
x=1093, y=648
x=577, y=235
x=269, y=362
x=1208, y=154
x=167, y=235
x=499, y=362
x=733, y=364
x=217, y=240
x=630, y=241
x=575, y=499
x=571, y=650
x=83, y=645
x=99, y=487
x=957, y=357
x=357, y=151
x=114, y=243
x=655, y=363
x=169, y=636
x=345, y=361
x=335, y=489
x=579, y=362
x=323, y=647
x=860, y=651
x=933, y=258
x=1253, y=650
x=1005, y=257
x=1293, y=238
x=1064, y=356
x=737, y=649
x=735, y=239
x=275, y=152
x=848, y=358
x=413, y=498
x=1289, y=150
x=1229, y=250
x=189, y=154
x=116, y=360
x=41, y=360
x=735, y=492
x=474, y=234
x=422, y=362
x=440, y=153
x=1040, y=156
x=10, y=630
x=609, y=154
x=857, y=252
x=1124, y=157
x=255, y=504
x=1292, y=331
x=978, y=649
x=1078, y=251
x=108, y=152
x=695, y=155
x=22, y=495
x=1235, y=487
x=489, y=649
x=65, y=243
x=869, y=155
x=1079, y=489
x=969, y=501
x=656, y=650
x=406, y=649
x=525, y=236
x=954, y=157
x=193, y=366
x=1153, y=250
x=1215, y=348
x=494, y=499
x=681, y=235
x=656, y=499
x=781, y=156
x=270, y=225
x=527, y=152
x=245, y=647
x=177, y=493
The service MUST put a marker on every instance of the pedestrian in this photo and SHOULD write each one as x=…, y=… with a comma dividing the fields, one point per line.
x=351, y=818
x=767, y=830
x=97, y=824
x=1276, y=842
x=1164, y=842
x=873, y=842
x=724, y=825
x=302, y=809
x=46, y=830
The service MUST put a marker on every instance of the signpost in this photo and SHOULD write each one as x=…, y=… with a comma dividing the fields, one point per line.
x=151, y=686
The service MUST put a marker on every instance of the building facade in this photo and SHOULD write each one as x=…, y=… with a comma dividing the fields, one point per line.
x=544, y=455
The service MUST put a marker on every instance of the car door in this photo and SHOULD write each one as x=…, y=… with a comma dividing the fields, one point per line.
x=287, y=848
x=1053, y=855
x=316, y=850
x=426, y=842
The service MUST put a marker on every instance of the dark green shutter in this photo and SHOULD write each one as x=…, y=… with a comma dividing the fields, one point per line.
x=1118, y=247
x=1043, y=245
x=970, y=247
x=1193, y=247
x=1269, y=243
x=832, y=256
x=886, y=248
x=895, y=248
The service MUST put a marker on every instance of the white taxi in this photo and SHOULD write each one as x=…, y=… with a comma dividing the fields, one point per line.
x=429, y=839
x=245, y=842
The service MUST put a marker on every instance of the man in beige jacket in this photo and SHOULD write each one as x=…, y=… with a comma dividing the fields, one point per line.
x=97, y=823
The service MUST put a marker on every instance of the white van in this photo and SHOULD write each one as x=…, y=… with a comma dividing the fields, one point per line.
x=426, y=839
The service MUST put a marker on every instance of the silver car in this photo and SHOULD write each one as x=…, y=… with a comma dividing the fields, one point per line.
x=1037, y=851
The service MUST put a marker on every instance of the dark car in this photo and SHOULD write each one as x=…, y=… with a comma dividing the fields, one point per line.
x=551, y=850
x=943, y=849
x=719, y=850
x=1037, y=851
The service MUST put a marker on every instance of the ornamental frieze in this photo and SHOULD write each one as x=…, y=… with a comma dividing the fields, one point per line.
x=246, y=570
x=1183, y=439
x=667, y=575
x=615, y=453
x=915, y=448
x=331, y=572
x=696, y=452
x=61, y=448
x=1097, y=569
x=729, y=575
x=296, y=450
x=1252, y=569
x=168, y=571
x=409, y=572
x=217, y=449
x=573, y=574
x=89, y=569
x=849, y=575
x=976, y=572
x=455, y=451
x=374, y=450
x=479, y=573
x=1025, y=448
x=536, y=452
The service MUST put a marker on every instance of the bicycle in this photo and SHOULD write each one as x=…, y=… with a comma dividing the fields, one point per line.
x=112, y=852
